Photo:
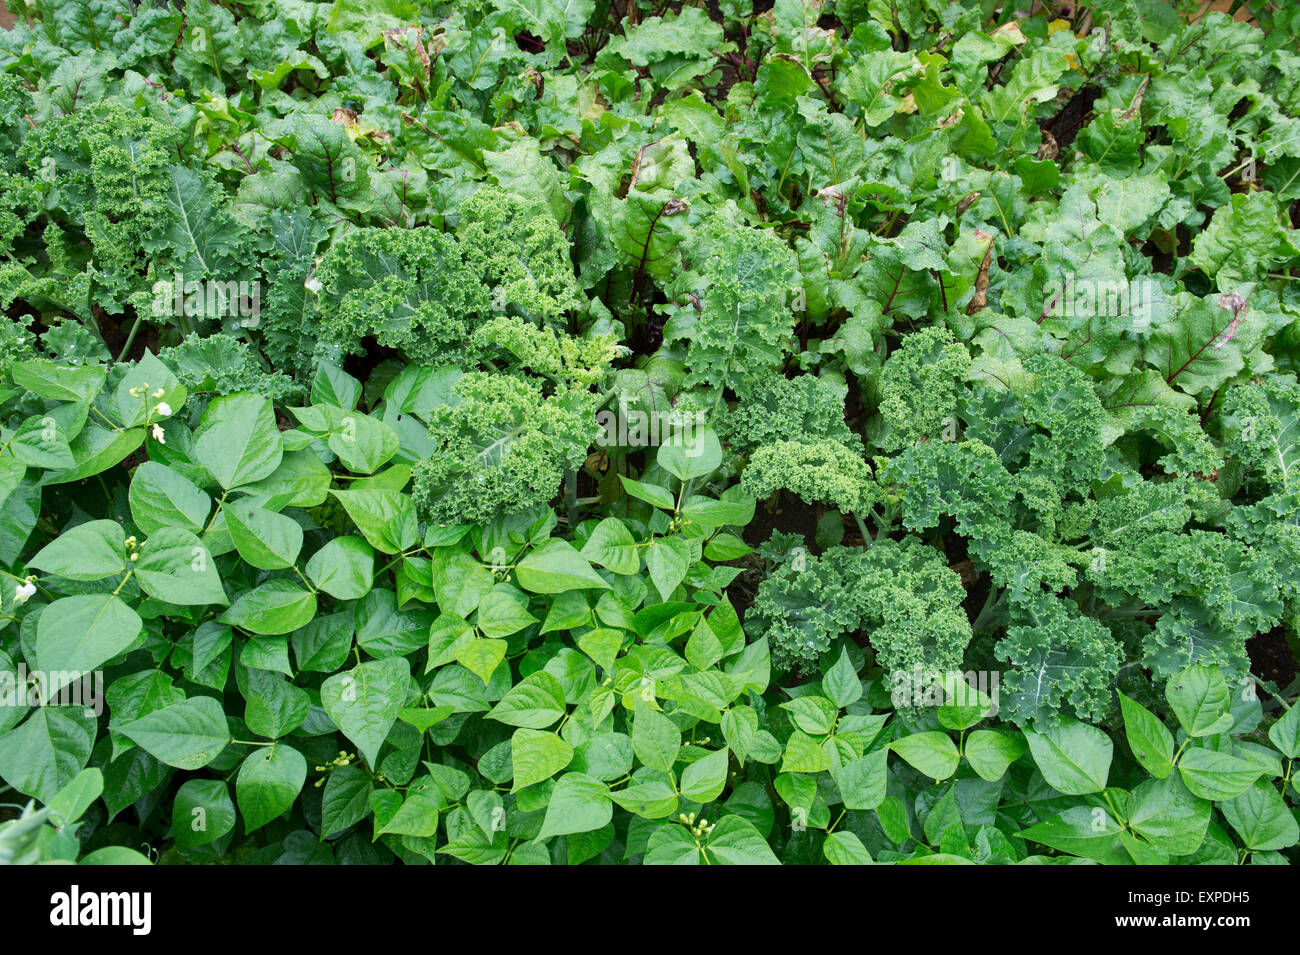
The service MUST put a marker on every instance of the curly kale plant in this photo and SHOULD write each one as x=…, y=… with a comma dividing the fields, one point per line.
x=520, y=253
x=901, y=595
x=740, y=317
x=827, y=472
x=499, y=446
x=423, y=292
x=409, y=290
x=801, y=608
x=104, y=172
x=221, y=365
x=804, y=408
x=497, y=441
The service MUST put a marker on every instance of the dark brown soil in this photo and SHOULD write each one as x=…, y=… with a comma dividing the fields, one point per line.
x=1065, y=125
x=784, y=513
x=1271, y=657
x=788, y=514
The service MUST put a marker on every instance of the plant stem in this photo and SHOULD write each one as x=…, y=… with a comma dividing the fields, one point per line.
x=571, y=495
x=130, y=338
x=988, y=612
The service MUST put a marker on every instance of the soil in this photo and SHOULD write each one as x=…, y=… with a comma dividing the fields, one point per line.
x=782, y=512
x=1071, y=117
x=1272, y=659
x=371, y=357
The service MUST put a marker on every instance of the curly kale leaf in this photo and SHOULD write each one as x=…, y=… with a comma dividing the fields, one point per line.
x=744, y=282
x=1025, y=563
x=965, y=481
x=1143, y=508
x=202, y=241
x=1272, y=527
x=407, y=289
x=910, y=603
x=801, y=609
x=1030, y=457
x=15, y=103
x=17, y=343
x=1060, y=401
x=500, y=446
x=991, y=417
x=1261, y=427
x=1214, y=593
x=513, y=344
x=920, y=386
x=1061, y=662
x=826, y=472
x=106, y=169
x=1178, y=429
x=288, y=320
x=424, y=292
x=520, y=253
x=804, y=408
x=221, y=364
x=19, y=194
x=901, y=594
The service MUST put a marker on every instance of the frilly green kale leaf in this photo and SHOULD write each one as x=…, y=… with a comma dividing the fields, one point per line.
x=288, y=321
x=910, y=602
x=920, y=386
x=409, y=290
x=962, y=480
x=1218, y=592
x=1261, y=428
x=900, y=594
x=740, y=320
x=106, y=169
x=222, y=365
x=425, y=292
x=826, y=472
x=520, y=253
x=500, y=446
x=801, y=609
x=805, y=408
x=1061, y=662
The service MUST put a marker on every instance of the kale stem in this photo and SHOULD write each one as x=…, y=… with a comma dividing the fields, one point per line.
x=130, y=338
x=988, y=612
x=571, y=495
x=862, y=529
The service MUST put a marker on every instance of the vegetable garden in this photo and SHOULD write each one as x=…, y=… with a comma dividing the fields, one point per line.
x=640, y=432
